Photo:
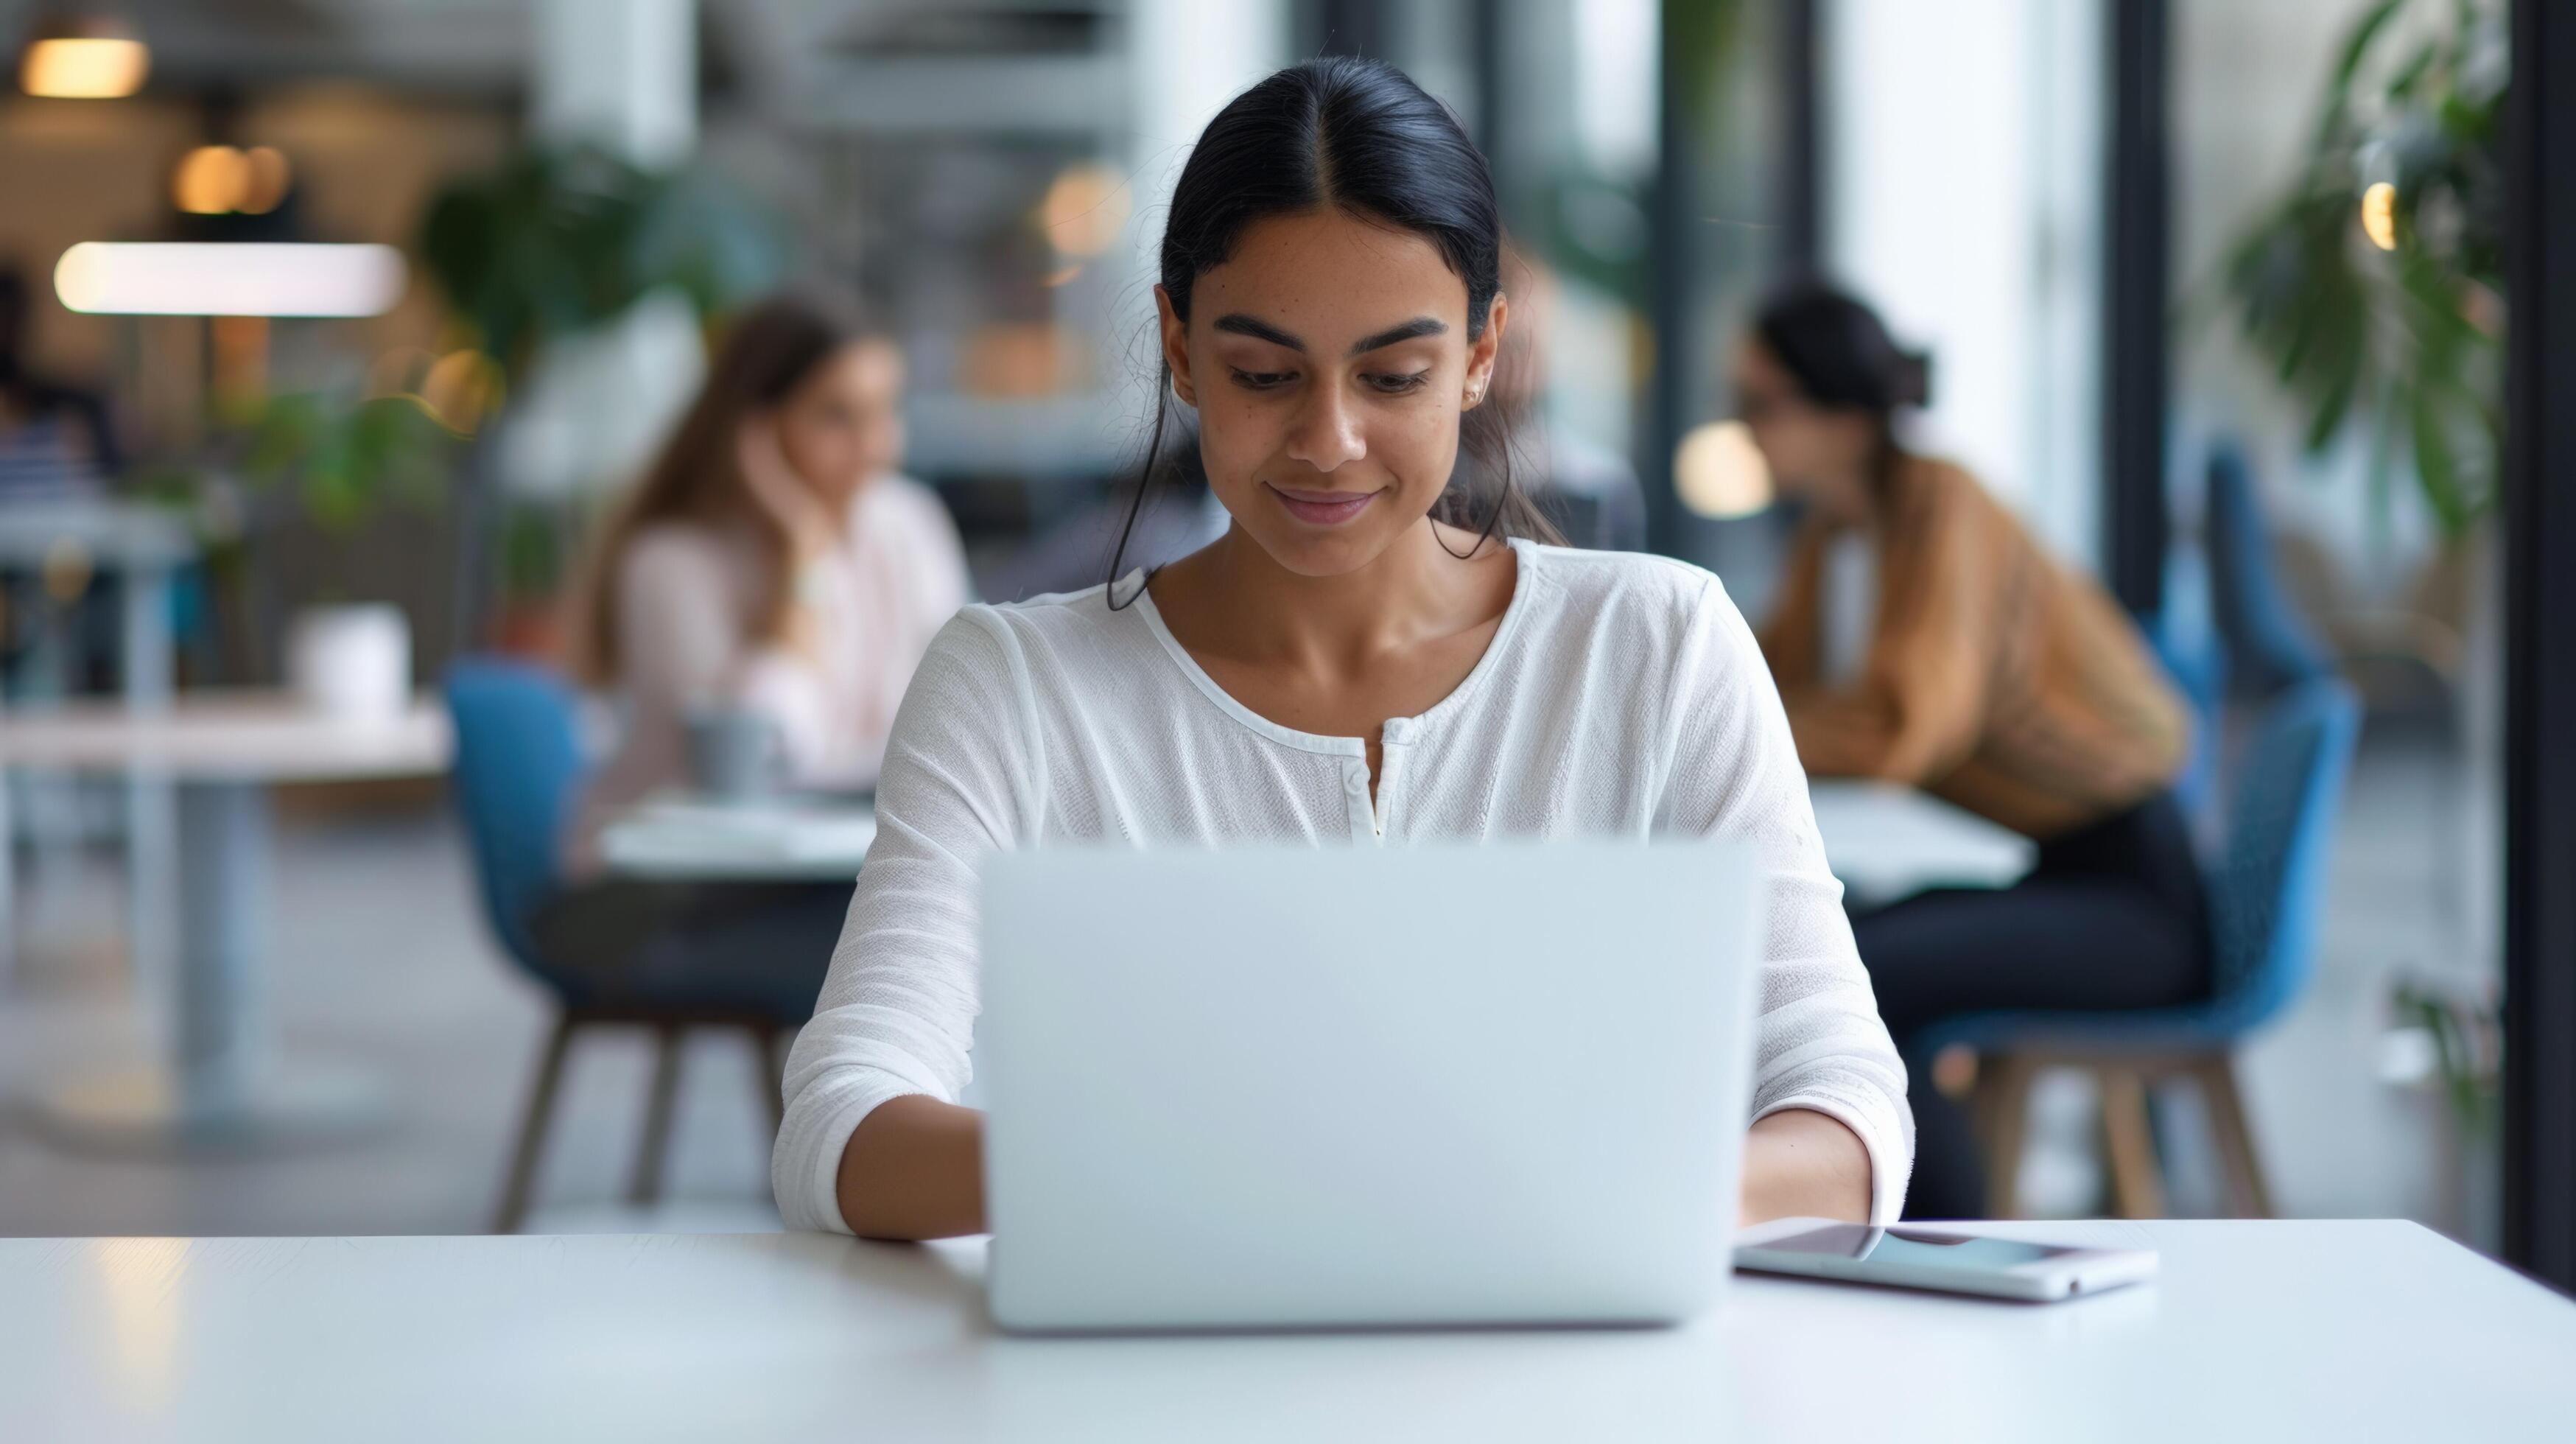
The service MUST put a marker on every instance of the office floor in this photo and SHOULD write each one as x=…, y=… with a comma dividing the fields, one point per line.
x=379, y=958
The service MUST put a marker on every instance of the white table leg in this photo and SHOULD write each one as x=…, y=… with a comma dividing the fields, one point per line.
x=8, y=891
x=147, y=673
x=221, y=1090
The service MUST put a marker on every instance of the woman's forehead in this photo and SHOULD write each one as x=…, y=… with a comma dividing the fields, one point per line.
x=1330, y=278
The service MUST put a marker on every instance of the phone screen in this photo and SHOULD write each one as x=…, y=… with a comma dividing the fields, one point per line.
x=1898, y=1245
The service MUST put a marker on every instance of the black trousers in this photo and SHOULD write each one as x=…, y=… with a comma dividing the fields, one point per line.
x=2114, y=916
x=749, y=947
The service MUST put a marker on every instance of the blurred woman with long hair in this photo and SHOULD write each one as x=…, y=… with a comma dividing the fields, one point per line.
x=772, y=562
x=773, y=568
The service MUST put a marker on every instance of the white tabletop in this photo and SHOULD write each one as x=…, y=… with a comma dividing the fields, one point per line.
x=781, y=839
x=247, y=736
x=2347, y=1331
x=1884, y=840
x=116, y=533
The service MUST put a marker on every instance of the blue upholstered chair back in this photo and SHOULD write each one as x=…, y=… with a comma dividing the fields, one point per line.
x=2267, y=891
x=2267, y=894
x=518, y=765
x=2195, y=659
x=2269, y=642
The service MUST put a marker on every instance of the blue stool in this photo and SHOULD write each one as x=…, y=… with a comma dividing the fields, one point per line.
x=2265, y=894
x=518, y=769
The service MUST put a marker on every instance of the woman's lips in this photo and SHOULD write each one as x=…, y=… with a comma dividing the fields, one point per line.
x=1322, y=508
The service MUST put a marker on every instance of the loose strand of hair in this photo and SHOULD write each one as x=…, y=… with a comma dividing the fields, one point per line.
x=1144, y=483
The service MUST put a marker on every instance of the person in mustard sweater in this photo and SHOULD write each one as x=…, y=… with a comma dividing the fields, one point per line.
x=1921, y=636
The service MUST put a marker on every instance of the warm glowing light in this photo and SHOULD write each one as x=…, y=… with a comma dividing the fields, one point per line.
x=1084, y=210
x=215, y=180
x=1720, y=472
x=144, y=1293
x=84, y=67
x=183, y=279
x=2379, y=215
x=266, y=178
x=462, y=388
x=210, y=180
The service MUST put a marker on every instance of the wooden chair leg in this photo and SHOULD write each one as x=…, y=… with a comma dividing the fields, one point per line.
x=2003, y=1111
x=530, y=1149
x=2137, y=1182
x=646, y=1184
x=2217, y=1076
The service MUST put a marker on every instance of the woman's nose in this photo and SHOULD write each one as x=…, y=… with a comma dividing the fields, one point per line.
x=1326, y=432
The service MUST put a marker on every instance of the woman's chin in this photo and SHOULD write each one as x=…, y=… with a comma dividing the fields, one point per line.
x=1311, y=552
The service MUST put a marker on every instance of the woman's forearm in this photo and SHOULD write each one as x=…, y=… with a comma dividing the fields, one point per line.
x=914, y=1169
x=1799, y=1163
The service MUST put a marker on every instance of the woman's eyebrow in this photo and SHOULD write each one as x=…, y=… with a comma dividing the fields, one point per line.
x=1259, y=330
x=1418, y=326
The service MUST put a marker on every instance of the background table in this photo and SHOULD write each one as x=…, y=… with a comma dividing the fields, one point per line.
x=144, y=546
x=772, y=840
x=220, y=1089
x=2345, y=1331
x=1885, y=841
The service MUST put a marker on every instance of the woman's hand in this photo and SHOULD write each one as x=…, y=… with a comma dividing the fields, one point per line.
x=1799, y=1163
x=812, y=531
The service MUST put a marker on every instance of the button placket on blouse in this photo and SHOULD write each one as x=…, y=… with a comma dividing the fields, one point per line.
x=1395, y=744
x=1355, y=787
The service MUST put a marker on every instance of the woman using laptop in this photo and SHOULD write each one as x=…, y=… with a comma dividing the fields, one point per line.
x=1362, y=659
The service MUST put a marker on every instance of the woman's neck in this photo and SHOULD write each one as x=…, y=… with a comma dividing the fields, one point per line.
x=1236, y=601
x=1855, y=496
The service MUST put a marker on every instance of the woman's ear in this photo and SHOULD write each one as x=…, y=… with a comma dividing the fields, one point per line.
x=1176, y=347
x=1482, y=353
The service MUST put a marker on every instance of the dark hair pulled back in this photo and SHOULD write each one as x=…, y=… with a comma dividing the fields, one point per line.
x=1357, y=135
x=1840, y=353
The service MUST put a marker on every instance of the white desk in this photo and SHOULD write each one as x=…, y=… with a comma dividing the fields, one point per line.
x=782, y=840
x=1883, y=841
x=2259, y=1331
x=219, y=1090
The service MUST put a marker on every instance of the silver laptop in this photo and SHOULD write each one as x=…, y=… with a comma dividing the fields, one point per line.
x=1356, y=1086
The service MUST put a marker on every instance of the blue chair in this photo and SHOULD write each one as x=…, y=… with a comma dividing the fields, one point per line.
x=2271, y=645
x=2185, y=639
x=518, y=769
x=2266, y=892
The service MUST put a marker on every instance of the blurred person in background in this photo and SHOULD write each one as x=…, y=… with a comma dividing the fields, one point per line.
x=774, y=568
x=1921, y=636
x=1340, y=668
x=55, y=440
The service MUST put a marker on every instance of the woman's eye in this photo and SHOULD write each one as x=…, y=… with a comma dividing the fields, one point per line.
x=1263, y=380
x=1399, y=385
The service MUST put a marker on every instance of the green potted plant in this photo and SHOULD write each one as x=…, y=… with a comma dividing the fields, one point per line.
x=552, y=244
x=2375, y=283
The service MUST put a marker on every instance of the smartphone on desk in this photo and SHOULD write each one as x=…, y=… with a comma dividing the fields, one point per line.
x=1948, y=1258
